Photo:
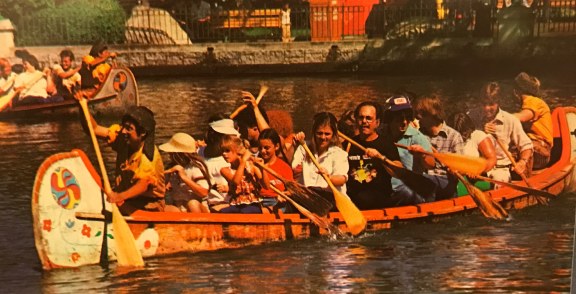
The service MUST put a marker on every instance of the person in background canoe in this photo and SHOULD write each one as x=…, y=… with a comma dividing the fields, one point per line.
x=502, y=126
x=244, y=178
x=476, y=143
x=368, y=182
x=270, y=149
x=32, y=84
x=7, y=76
x=398, y=116
x=139, y=183
x=220, y=126
x=430, y=114
x=535, y=117
x=65, y=75
x=325, y=145
x=188, y=178
x=94, y=69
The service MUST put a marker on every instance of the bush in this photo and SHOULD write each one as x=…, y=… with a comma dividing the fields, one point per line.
x=74, y=22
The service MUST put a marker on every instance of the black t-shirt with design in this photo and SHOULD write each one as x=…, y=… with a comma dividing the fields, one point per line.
x=368, y=182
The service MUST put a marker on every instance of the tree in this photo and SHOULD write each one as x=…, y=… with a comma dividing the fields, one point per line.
x=13, y=9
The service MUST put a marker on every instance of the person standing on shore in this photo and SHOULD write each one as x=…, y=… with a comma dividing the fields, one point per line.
x=285, y=23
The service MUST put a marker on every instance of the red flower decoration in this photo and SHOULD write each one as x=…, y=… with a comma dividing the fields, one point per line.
x=75, y=256
x=86, y=231
x=147, y=244
x=47, y=225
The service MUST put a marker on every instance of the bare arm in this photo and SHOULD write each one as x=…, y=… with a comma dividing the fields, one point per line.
x=488, y=151
x=137, y=189
x=525, y=115
x=261, y=122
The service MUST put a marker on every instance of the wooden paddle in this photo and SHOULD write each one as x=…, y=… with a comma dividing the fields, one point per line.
x=540, y=199
x=486, y=204
x=518, y=187
x=126, y=250
x=353, y=217
x=263, y=90
x=468, y=165
x=417, y=182
x=319, y=221
x=301, y=194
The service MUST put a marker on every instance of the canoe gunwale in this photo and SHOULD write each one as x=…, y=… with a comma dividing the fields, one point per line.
x=202, y=232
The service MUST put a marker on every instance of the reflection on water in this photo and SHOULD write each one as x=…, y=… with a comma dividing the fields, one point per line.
x=466, y=254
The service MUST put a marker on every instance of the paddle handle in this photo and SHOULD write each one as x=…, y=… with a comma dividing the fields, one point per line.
x=105, y=180
x=517, y=187
x=317, y=164
x=263, y=91
x=512, y=160
x=270, y=171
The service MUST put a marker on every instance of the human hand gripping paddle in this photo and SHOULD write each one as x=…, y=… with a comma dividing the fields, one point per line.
x=263, y=90
x=472, y=166
x=540, y=199
x=416, y=182
x=353, y=217
x=126, y=251
x=304, y=196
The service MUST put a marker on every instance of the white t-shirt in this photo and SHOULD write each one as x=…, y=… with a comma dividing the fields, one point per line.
x=214, y=166
x=285, y=16
x=471, y=145
x=335, y=161
x=36, y=86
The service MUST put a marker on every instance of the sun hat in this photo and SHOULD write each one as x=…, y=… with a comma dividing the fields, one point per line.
x=224, y=126
x=180, y=142
x=396, y=103
x=527, y=83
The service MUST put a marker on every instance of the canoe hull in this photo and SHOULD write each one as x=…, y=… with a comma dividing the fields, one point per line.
x=169, y=233
x=117, y=93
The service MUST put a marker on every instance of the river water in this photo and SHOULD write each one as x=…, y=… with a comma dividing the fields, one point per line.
x=530, y=253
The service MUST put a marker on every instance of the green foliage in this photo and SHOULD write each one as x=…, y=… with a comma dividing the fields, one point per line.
x=13, y=9
x=73, y=22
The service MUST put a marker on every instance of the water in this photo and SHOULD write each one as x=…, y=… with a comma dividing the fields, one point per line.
x=464, y=254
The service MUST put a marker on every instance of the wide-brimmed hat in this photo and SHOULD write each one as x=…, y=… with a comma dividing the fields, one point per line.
x=144, y=118
x=527, y=83
x=180, y=143
x=224, y=126
x=396, y=103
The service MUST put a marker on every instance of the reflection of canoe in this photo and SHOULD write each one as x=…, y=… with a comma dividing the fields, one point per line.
x=69, y=229
x=117, y=93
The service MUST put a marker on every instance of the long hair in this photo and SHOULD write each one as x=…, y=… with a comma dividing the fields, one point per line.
x=230, y=142
x=274, y=137
x=194, y=159
x=462, y=123
x=324, y=119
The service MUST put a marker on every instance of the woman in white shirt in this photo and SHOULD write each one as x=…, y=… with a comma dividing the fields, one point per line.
x=476, y=142
x=325, y=146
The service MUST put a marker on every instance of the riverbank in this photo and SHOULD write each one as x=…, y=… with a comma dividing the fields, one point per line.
x=361, y=56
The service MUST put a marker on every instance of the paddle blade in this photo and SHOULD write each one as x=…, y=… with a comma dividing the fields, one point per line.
x=485, y=203
x=308, y=198
x=353, y=217
x=126, y=250
x=461, y=163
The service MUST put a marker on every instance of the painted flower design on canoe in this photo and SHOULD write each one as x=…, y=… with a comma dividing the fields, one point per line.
x=47, y=225
x=86, y=231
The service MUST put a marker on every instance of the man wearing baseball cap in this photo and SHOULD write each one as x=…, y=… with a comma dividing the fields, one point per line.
x=399, y=117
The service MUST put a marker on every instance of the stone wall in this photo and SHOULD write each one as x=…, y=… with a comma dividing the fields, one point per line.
x=455, y=55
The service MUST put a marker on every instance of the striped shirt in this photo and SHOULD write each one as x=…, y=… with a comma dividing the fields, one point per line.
x=448, y=140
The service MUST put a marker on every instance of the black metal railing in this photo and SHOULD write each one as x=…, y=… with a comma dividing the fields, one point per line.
x=415, y=19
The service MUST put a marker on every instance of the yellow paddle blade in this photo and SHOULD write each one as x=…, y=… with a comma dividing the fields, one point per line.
x=126, y=251
x=461, y=163
x=353, y=217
